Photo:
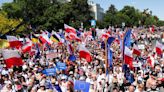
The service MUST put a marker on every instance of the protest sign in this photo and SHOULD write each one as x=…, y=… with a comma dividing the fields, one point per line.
x=61, y=66
x=81, y=86
x=49, y=71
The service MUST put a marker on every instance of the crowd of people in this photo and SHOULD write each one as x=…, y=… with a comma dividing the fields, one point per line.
x=144, y=77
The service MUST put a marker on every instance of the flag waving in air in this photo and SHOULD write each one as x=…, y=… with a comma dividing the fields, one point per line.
x=127, y=54
x=128, y=57
x=12, y=58
x=14, y=42
x=159, y=48
x=69, y=29
x=136, y=50
x=127, y=38
x=45, y=39
x=109, y=51
x=27, y=47
x=84, y=53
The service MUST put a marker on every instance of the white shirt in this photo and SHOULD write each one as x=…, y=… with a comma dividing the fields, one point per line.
x=109, y=78
x=89, y=80
x=100, y=77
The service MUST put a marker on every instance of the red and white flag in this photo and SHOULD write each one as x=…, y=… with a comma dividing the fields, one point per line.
x=69, y=29
x=84, y=53
x=72, y=36
x=159, y=48
x=27, y=47
x=105, y=35
x=14, y=42
x=45, y=39
x=151, y=29
x=128, y=57
x=12, y=58
x=136, y=50
x=150, y=60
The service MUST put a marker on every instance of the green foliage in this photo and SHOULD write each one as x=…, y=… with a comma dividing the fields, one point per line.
x=131, y=17
x=49, y=14
x=160, y=23
x=150, y=21
x=8, y=24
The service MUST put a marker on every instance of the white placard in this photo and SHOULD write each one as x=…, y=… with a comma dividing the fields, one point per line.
x=141, y=46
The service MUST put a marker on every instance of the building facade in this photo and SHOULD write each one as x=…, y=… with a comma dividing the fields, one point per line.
x=97, y=11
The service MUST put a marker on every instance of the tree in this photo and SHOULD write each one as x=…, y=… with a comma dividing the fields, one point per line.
x=80, y=13
x=49, y=14
x=160, y=23
x=110, y=16
x=150, y=21
x=7, y=24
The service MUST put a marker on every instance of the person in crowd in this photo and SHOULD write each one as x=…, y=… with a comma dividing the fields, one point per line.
x=146, y=76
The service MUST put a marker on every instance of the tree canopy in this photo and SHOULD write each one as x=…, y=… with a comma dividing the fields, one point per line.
x=48, y=14
x=130, y=16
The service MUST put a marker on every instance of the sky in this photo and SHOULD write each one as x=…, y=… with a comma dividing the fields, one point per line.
x=156, y=6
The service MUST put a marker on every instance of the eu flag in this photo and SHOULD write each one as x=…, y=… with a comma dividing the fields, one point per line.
x=81, y=86
x=72, y=57
x=127, y=38
x=110, y=40
x=110, y=57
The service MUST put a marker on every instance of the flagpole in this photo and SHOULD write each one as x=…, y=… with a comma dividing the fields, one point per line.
x=123, y=49
x=106, y=61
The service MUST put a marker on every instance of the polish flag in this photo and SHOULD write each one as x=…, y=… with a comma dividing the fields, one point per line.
x=105, y=35
x=151, y=29
x=14, y=42
x=136, y=50
x=69, y=29
x=159, y=48
x=150, y=60
x=27, y=47
x=12, y=58
x=84, y=53
x=73, y=36
x=45, y=39
x=128, y=57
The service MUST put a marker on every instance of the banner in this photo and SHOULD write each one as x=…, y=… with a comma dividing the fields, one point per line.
x=93, y=22
x=61, y=66
x=49, y=71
